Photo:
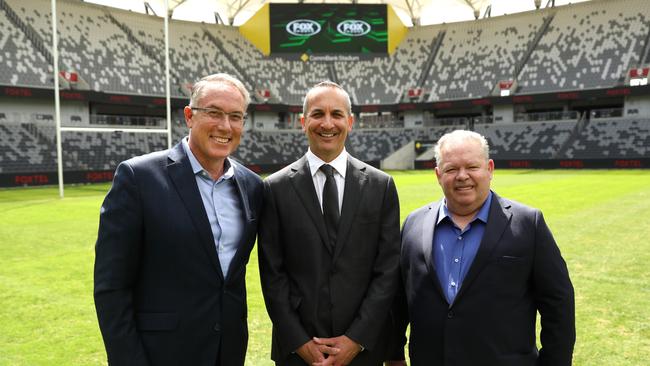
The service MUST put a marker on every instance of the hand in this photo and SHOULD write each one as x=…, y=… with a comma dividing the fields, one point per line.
x=395, y=363
x=310, y=353
x=341, y=350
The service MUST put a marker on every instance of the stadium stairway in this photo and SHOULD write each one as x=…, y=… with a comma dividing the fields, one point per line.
x=403, y=158
x=533, y=45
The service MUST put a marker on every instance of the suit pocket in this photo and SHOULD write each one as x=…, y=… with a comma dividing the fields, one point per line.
x=507, y=275
x=507, y=261
x=156, y=321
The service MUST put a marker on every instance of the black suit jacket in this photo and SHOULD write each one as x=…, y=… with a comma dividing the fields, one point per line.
x=160, y=294
x=313, y=290
x=517, y=272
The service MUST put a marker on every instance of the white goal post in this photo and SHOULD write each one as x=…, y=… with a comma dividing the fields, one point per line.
x=57, y=102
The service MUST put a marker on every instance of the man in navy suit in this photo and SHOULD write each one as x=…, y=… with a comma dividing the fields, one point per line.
x=476, y=269
x=175, y=234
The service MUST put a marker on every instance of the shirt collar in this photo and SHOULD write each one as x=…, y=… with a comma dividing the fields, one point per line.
x=197, y=168
x=482, y=214
x=340, y=163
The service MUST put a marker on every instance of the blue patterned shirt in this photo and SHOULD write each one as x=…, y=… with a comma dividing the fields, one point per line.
x=454, y=249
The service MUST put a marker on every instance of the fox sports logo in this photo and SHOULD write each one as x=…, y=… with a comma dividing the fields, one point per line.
x=353, y=28
x=303, y=27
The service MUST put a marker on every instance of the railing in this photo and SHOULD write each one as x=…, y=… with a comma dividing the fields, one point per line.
x=461, y=122
x=547, y=116
x=375, y=121
x=606, y=113
x=136, y=121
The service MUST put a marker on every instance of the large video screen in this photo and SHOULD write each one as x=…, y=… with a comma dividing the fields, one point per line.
x=328, y=28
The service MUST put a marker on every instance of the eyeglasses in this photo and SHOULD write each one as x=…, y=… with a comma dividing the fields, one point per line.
x=236, y=119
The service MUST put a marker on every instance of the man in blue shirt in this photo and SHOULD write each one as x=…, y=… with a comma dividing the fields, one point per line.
x=476, y=270
x=175, y=234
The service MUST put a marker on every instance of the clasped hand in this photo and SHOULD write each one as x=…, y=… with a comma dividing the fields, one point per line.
x=336, y=351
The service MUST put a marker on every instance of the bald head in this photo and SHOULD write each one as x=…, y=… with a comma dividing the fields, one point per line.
x=326, y=84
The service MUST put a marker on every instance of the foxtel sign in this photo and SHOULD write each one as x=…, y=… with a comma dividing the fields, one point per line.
x=308, y=27
x=328, y=28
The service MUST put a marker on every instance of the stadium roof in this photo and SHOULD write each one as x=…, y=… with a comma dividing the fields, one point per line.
x=424, y=12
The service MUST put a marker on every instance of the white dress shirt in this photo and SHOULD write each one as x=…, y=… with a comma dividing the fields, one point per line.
x=340, y=165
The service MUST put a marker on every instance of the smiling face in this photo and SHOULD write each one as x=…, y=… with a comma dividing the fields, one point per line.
x=212, y=139
x=327, y=121
x=464, y=175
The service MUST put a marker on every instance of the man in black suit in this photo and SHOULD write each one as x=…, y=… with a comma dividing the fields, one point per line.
x=175, y=234
x=329, y=245
x=476, y=269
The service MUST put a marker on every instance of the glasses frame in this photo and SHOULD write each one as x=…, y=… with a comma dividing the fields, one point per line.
x=221, y=115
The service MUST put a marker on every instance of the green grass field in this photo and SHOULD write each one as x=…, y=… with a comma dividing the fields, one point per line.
x=601, y=220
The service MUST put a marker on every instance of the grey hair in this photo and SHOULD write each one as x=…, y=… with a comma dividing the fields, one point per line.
x=326, y=84
x=223, y=78
x=457, y=136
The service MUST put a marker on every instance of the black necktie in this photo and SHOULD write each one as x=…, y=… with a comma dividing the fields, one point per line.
x=330, y=203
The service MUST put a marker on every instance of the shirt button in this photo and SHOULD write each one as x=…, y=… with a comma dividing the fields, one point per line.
x=456, y=260
x=453, y=284
x=460, y=238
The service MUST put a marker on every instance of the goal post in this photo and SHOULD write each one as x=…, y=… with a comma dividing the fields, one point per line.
x=57, y=102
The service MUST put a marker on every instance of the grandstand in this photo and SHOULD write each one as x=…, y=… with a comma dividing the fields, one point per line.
x=533, y=83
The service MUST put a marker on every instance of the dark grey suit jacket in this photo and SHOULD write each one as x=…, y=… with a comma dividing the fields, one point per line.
x=160, y=294
x=517, y=272
x=313, y=290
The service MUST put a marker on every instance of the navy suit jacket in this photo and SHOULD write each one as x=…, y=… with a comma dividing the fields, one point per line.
x=517, y=272
x=160, y=294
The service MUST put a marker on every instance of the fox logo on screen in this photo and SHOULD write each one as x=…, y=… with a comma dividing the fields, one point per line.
x=303, y=27
x=353, y=27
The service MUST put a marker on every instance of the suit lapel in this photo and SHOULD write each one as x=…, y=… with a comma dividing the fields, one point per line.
x=355, y=180
x=247, y=216
x=242, y=189
x=497, y=222
x=180, y=172
x=429, y=226
x=303, y=184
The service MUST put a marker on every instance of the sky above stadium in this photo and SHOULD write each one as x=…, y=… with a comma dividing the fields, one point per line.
x=431, y=12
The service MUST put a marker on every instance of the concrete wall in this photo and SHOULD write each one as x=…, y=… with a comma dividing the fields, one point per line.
x=638, y=106
x=413, y=119
x=504, y=113
x=264, y=121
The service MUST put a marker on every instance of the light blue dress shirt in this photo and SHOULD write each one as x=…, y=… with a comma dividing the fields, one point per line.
x=454, y=249
x=222, y=204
